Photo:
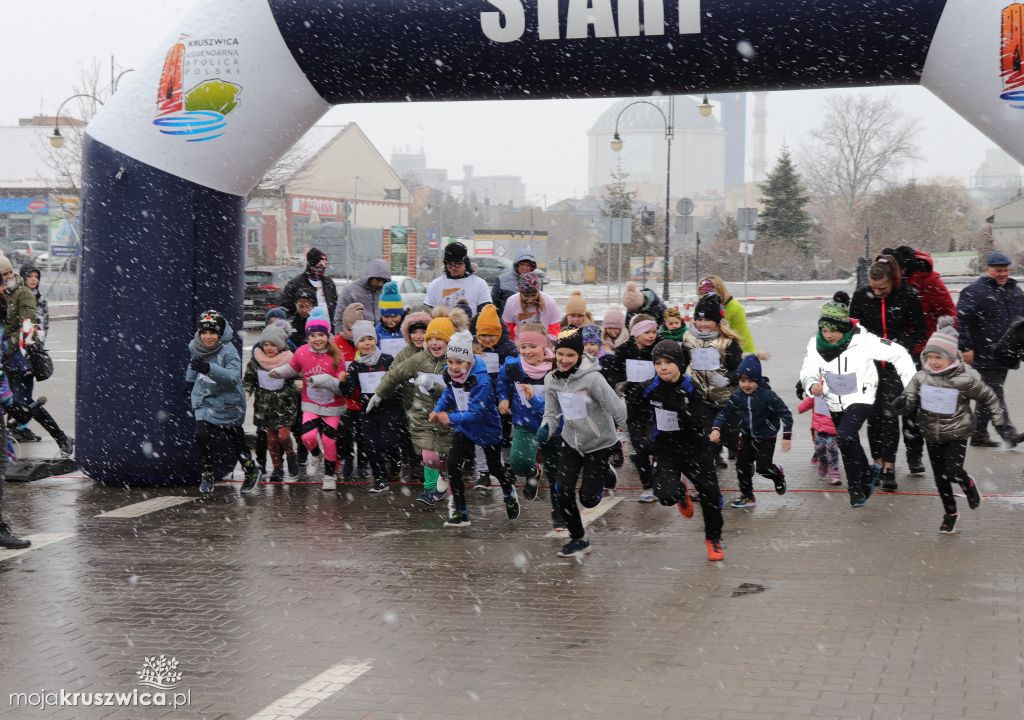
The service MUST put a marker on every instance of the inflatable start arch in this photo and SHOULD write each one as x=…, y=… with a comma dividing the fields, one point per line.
x=169, y=160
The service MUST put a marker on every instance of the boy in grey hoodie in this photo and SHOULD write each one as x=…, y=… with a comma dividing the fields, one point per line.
x=590, y=411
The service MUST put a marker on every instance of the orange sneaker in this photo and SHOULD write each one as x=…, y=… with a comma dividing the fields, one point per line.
x=685, y=506
x=715, y=550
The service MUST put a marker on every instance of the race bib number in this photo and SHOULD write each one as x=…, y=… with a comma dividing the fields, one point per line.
x=704, y=359
x=321, y=396
x=267, y=382
x=522, y=395
x=368, y=382
x=461, y=399
x=574, y=405
x=841, y=383
x=392, y=346
x=821, y=406
x=666, y=420
x=639, y=370
x=492, y=362
x=941, y=401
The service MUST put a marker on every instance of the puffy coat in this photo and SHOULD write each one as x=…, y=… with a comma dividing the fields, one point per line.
x=935, y=299
x=759, y=414
x=859, y=356
x=504, y=349
x=291, y=291
x=819, y=422
x=682, y=399
x=480, y=421
x=984, y=313
x=359, y=291
x=605, y=410
x=507, y=284
x=652, y=306
x=348, y=354
x=221, y=402
x=307, y=363
x=20, y=305
x=729, y=353
x=425, y=435
x=736, y=317
x=964, y=379
x=897, y=317
x=380, y=427
x=512, y=375
x=271, y=408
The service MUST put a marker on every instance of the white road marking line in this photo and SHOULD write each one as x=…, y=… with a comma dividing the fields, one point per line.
x=147, y=506
x=38, y=540
x=589, y=515
x=312, y=692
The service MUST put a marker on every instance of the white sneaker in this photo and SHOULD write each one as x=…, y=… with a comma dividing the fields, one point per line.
x=647, y=496
x=315, y=467
x=329, y=483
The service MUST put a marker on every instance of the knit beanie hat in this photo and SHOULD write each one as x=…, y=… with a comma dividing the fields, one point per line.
x=750, y=367
x=591, y=335
x=709, y=307
x=945, y=340
x=671, y=350
x=487, y=322
x=440, y=328
x=278, y=312
x=528, y=283
x=570, y=338
x=352, y=313
x=275, y=334
x=361, y=329
x=27, y=269
x=306, y=293
x=460, y=346
x=391, y=302
x=5, y=264
x=614, y=318
x=576, y=305
x=314, y=255
x=632, y=298
x=212, y=320
x=673, y=311
x=318, y=322
x=835, y=314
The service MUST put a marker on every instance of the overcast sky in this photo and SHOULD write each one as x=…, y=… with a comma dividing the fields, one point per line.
x=42, y=47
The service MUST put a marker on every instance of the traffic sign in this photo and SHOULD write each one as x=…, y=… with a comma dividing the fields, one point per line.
x=500, y=252
x=684, y=206
x=36, y=205
x=746, y=217
x=615, y=231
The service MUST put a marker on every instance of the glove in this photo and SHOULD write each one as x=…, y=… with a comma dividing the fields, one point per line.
x=902, y=406
x=374, y=402
x=544, y=432
x=799, y=390
x=425, y=383
x=199, y=365
x=19, y=412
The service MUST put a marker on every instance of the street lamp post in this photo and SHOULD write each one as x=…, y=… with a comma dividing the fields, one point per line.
x=57, y=140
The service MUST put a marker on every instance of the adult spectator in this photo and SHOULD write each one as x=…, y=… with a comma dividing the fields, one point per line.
x=312, y=277
x=530, y=305
x=507, y=284
x=891, y=310
x=985, y=311
x=642, y=302
x=735, y=315
x=458, y=282
x=366, y=291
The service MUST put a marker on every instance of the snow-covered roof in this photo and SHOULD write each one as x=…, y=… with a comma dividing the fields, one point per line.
x=24, y=158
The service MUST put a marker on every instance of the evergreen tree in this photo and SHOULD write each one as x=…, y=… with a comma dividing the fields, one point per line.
x=619, y=202
x=784, y=219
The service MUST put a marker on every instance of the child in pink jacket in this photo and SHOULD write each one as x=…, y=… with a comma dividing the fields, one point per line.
x=826, y=449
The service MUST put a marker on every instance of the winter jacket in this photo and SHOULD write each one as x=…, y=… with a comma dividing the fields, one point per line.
x=504, y=349
x=736, y=317
x=729, y=354
x=479, y=421
x=19, y=305
x=298, y=336
x=897, y=317
x=385, y=334
x=759, y=414
x=307, y=363
x=348, y=354
x=859, y=357
x=425, y=435
x=819, y=422
x=614, y=372
x=963, y=378
x=984, y=313
x=352, y=385
x=682, y=399
x=507, y=283
x=935, y=299
x=271, y=408
x=359, y=291
x=42, y=312
x=291, y=291
x=605, y=410
x=652, y=306
x=221, y=402
x=510, y=377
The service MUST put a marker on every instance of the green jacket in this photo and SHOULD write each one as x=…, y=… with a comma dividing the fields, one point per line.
x=272, y=409
x=21, y=305
x=736, y=316
x=425, y=435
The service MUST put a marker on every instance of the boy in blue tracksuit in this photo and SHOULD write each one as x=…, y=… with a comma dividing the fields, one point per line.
x=493, y=345
x=759, y=413
x=467, y=405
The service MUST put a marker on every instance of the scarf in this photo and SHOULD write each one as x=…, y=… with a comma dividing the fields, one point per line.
x=269, y=363
x=706, y=335
x=665, y=334
x=371, y=359
x=536, y=372
x=461, y=377
x=830, y=351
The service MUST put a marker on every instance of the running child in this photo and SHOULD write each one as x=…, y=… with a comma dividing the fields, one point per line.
x=275, y=401
x=494, y=347
x=390, y=339
x=823, y=430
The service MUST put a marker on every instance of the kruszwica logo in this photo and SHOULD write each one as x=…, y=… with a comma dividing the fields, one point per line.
x=159, y=672
x=198, y=114
x=1011, y=50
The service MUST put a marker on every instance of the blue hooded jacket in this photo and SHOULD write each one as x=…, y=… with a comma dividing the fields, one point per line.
x=511, y=375
x=760, y=413
x=480, y=421
x=221, y=402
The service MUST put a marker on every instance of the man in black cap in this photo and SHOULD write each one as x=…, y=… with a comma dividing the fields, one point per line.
x=316, y=280
x=458, y=282
x=986, y=309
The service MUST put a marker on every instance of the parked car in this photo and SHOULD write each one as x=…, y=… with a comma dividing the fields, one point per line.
x=44, y=262
x=263, y=286
x=412, y=290
x=489, y=267
x=26, y=251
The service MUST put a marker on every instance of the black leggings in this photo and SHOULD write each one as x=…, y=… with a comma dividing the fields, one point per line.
x=698, y=465
x=948, y=467
x=595, y=468
x=461, y=455
x=848, y=424
x=641, y=454
x=884, y=423
x=755, y=453
x=212, y=441
x=22, y=384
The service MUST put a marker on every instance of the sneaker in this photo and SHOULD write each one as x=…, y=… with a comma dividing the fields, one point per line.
x=512, y=508
x=858, y=501
x=277, y=475
x=315, y=467
x=685, y=506
x=868, y=488
x=293, y=466
x=329, y=483
x=876, y=474
x=617, y=457
x=948, y=525
x=971, y=491
x=822, y=468
x=430, y=497
x=380, y=486
x=743, y=502
x=915, y=464
x=252, y=478
x=11, y=541
x=66, y=445
x=780, y=484
x=720, y=462
x=575, y=548
x=715, y=548
x=531, y=485
x=833, y=477
x=206, y=484
x=458, y=519
x=647, y=496
x=984, y=442
x=25, y=435
x=889, y=480
x=483, y=482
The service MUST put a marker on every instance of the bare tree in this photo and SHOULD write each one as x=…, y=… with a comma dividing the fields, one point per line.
x=66, y=162
x=936, y=216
